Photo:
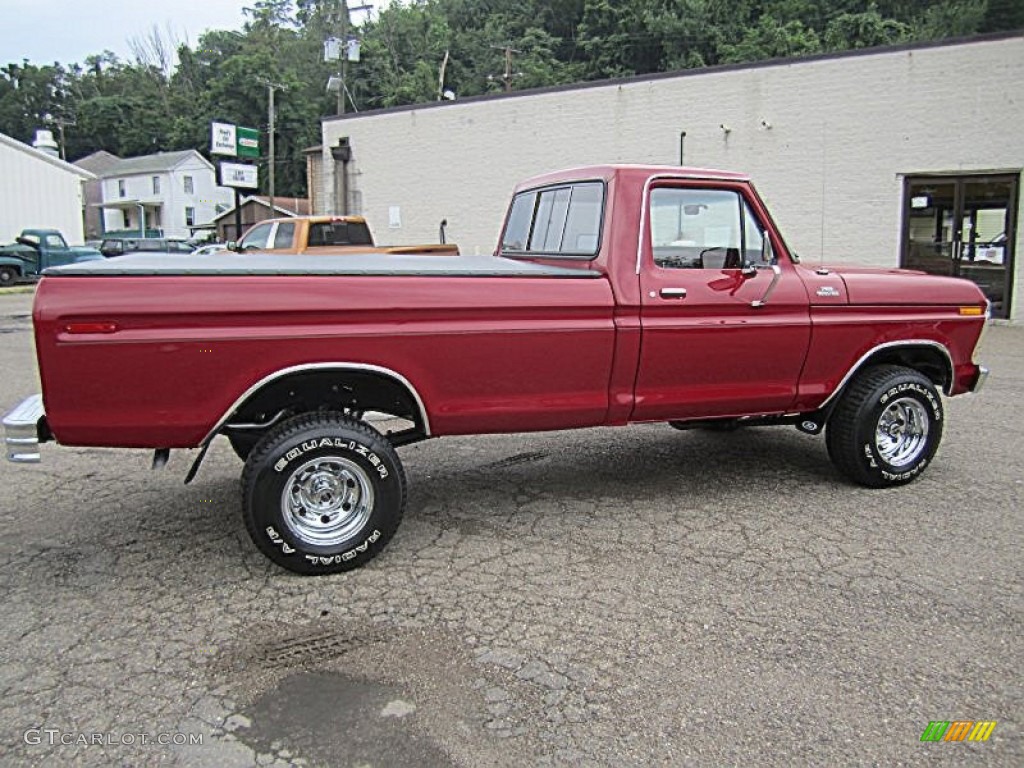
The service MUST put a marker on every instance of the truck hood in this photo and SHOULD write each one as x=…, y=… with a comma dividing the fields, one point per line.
x=888, y=287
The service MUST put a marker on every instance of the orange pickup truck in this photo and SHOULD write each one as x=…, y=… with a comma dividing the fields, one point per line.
x=326, y=234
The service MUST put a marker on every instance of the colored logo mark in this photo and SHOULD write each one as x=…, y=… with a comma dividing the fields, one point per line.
x=958, y=730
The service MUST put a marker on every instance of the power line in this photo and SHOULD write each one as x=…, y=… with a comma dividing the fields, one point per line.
x=509, y=75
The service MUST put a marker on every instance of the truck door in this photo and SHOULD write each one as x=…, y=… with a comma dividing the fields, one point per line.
x=54, y=252
x=724, y=316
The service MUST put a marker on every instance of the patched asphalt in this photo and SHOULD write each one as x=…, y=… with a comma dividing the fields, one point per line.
x=608, y=597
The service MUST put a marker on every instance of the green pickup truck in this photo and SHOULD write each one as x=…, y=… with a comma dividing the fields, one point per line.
x=36, y=250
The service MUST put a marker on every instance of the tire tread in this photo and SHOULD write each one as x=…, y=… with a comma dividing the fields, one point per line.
x=299, y=424
x=842, y=426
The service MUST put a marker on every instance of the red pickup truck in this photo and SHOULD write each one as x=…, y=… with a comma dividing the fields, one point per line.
x=617, y=294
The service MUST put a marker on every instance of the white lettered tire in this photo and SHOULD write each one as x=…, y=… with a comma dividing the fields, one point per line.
x=322, y=493
x=887, y=427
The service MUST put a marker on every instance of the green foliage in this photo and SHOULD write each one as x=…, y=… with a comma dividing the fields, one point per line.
x=152, y=103
x=770, y=39
x=1003, y=14
x=864, y=30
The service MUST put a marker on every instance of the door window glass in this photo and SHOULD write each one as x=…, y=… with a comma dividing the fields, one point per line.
x=697, y=228
x=257, y=238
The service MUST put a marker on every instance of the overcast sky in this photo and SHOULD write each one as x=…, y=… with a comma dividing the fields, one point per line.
x=44, y=31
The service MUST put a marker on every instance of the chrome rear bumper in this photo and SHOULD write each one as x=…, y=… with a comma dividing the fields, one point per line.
x=980, y=379
x=21, y=430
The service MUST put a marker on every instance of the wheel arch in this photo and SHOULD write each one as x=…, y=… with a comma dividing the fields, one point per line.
x=930, y=358
x=330, y=385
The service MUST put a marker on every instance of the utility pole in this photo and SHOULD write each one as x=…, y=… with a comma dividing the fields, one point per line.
x=344, y=12
x=61, y=123
x=271, y=128
x=509, y=75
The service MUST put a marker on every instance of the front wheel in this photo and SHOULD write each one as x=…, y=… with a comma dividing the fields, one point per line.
x=886, y=428
x=8, y=276
x=322, y=493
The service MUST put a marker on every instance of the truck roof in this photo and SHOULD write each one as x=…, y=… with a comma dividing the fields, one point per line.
x=319, y=219
x=607, y=172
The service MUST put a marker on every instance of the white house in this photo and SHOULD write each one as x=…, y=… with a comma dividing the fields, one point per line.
x=38, y=191
x=907, y=156
x=168, y=191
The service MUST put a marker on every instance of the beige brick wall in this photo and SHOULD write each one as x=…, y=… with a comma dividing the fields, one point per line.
x=842, y=133
x=315, y=182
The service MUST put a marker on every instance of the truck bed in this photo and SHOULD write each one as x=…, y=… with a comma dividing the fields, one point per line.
x=377, y=264
x=160, y=347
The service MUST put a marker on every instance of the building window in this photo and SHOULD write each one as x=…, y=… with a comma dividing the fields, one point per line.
x=127, y=219
x=190, y=215
x=156, y=185
x=121, y=191
x=189, y=187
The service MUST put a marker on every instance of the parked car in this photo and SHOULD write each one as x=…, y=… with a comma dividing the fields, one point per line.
x=123, y=246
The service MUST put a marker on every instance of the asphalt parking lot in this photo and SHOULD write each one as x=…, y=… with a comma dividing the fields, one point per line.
x=609, y=597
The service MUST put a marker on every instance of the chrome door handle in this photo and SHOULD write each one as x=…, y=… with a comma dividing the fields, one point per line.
x=673, y=293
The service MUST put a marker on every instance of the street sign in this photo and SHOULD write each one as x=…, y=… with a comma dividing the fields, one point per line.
x=223, y=139
x=235, y=141
x=248, y=142
x=239, y=176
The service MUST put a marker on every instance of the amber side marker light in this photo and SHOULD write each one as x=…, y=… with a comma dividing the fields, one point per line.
x=972, y=311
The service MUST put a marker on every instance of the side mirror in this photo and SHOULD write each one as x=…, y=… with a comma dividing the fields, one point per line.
x=231, y=245
x=766, y=261
x=767, y=253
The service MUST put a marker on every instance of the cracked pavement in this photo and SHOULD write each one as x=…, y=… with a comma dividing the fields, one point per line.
x=608, y=597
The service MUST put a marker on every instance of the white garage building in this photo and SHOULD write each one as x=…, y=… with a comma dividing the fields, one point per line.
x=38, y=191
x=900, y=156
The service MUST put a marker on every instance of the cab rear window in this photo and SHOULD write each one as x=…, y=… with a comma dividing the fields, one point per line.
x=556, y=221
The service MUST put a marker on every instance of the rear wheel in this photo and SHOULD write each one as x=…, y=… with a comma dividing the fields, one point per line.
x=886, y=428
x=322, y=493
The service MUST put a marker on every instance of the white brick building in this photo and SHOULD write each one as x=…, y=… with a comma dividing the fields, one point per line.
x=846, y=149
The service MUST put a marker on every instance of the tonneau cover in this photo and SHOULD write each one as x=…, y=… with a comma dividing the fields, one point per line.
x=377, y=264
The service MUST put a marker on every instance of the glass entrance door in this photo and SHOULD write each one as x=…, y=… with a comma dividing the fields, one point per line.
x=963, y=226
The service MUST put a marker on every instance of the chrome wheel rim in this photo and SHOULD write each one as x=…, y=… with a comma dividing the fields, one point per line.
x=902, y=432
x=327, y=501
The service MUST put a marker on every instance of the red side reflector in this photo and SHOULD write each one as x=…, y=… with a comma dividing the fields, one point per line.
x=90, y=327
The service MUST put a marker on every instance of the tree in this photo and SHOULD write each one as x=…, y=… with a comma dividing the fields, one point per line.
x=1003, y=15
x=771, y=39
x=864, y=30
